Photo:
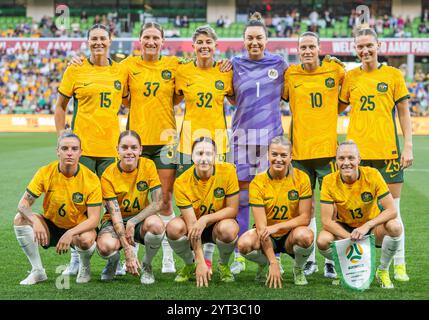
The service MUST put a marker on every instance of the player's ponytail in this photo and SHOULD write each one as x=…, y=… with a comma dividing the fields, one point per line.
x=256, y=20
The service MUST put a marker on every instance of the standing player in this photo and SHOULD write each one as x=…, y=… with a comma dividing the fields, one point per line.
x=281, y=204
x=258, y=86
x=97, y=88
x=373, y=90
x=204, y=85
x=207, y=195
x=126, y=186
x=312, y=89
x=349, y=209
x=71, y=211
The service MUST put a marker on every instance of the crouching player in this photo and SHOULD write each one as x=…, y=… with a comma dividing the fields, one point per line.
x=207, y=196
x=126, y=186
x=280, y=199
x=356, y=192
x=71, y=211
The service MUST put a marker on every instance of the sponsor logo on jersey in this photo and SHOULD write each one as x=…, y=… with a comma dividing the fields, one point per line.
x=77, y=197
x=219, y=193
x=118, y=85
x=330, y=82
x=382, y=87
x=142, y=186
x=273, y=74
x=219, y=85
x=86, y=84
x=366, y=197
x=166, y=74
x=354, y=253
x=293, y=195
x=136, y=73
x=298, y=85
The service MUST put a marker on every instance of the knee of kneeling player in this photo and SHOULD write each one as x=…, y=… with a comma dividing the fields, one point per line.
x=393, y=228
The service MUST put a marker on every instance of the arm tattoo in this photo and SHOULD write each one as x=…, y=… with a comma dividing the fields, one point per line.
x=156, y=195
x=118, y=224
x=24, y=206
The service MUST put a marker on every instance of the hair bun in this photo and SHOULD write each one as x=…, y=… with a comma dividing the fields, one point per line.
x=256, y=16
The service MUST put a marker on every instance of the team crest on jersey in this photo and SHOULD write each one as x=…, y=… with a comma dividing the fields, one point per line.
x=166, y=74
x=366, y=197
x=117, y=84
x=219, y=193
x=330, y=82
x=77, y=197
x=293, y=195
x=142, y=186
x=273, y=74
x=219, y=85
x=382, y=87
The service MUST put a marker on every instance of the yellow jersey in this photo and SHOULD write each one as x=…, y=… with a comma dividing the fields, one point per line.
x=204, y=91
x=313, y=100
x=279, y=197
x=373, y=96
x=209, y=196
x=97, y=93
x=66, y=199
x=131, y=189
x=151, y=86
x=356, y=203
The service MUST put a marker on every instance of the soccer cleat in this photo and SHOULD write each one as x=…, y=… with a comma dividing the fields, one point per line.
x=310, y=268
x=168, y=265
x=330, y=271
x=121, y=269
x=84, y=274
x=147, y=276
x=109, y=270
x=383, y=278
x=225, y=273
x=401, y=273
x=208, y=263
x=336, y=281
x=34, y=277
x=261, y=275
x=72, y=269
x=185, y=273
x=239, y=265
x=299, y=277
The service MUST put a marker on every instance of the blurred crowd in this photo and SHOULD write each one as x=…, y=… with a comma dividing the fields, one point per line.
x=29, y=82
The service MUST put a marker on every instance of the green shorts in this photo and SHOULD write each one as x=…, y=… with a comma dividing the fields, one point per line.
x=96, y=164
x=162, y=155
x=107, y=227
x=349, y=229
x=184, y=162
x=279, y=244
x=390, y=169
x=316, y=168
x=55, y=233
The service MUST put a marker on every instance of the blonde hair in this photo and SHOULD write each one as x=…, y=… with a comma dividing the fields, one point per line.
x=364, y=30
x=206, y=30
x=68, y=133
x=281, y=140
x=349, y=143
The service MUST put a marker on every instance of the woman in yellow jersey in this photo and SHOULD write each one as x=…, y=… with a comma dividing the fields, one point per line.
x=204, y=87
x=312, y=90
x=349, y=203
x=280, y=199
x=377, y=92
x=71, y=210
x=97, y=88
x=126, y=186
x=207, y=196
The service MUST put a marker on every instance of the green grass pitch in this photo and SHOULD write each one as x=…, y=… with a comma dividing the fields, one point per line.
x=23, y=153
